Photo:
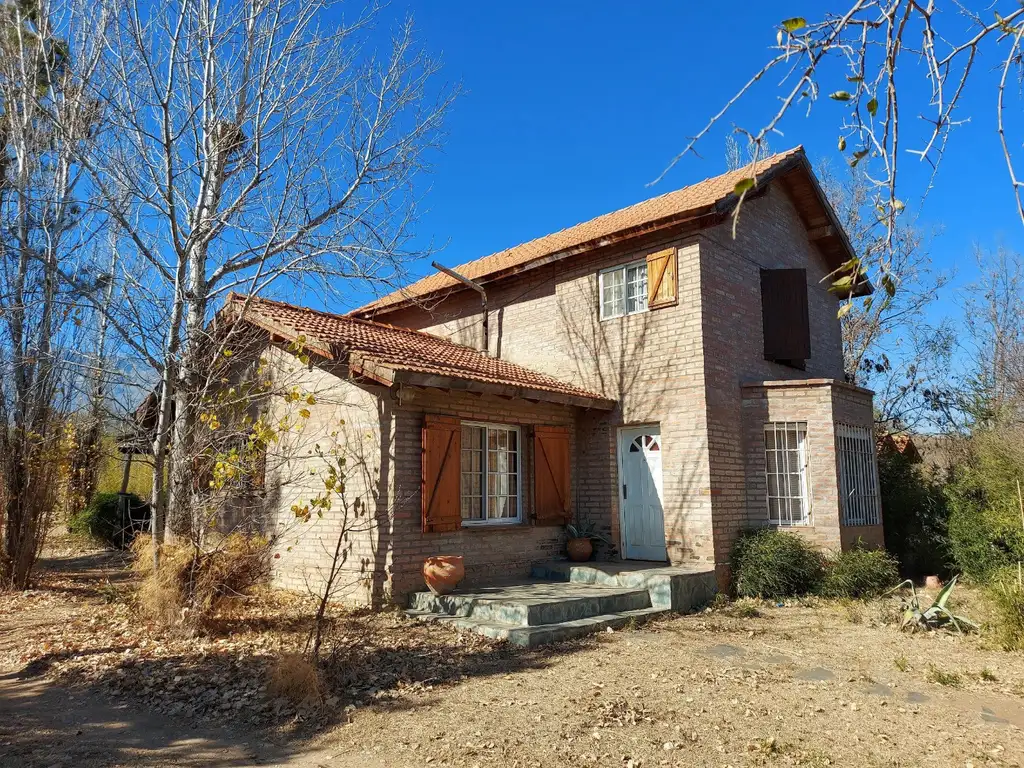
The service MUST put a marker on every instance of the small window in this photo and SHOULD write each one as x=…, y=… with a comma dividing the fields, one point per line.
x=623, y=290
x=785, y=450
x=490, y=474
x=858, y=476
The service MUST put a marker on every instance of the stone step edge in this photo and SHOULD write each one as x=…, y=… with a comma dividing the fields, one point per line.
x=616, y=599
x=531, y=636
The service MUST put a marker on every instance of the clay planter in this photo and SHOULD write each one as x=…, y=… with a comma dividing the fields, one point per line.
x=443, y=573
x=933, y=582
x=579, y=550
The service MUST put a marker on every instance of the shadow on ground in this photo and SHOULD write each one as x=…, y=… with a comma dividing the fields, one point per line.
x=42, y=724
x=112, y=705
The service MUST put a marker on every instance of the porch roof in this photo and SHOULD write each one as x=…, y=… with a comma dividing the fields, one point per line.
x=390, y=355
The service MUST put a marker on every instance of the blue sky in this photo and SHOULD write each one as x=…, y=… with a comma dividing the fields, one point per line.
x=570, y=109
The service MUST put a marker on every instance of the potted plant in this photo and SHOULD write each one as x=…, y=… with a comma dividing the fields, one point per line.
x=580, y=542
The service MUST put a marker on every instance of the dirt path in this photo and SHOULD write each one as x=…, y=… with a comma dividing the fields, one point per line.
x=44, y=724
x=807, y=685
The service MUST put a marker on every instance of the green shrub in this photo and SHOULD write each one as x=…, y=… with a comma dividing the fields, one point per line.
x=1008, y=595
x=916, y=517
x=860, y=573
x=985, y=529
x=104, y=518
x=771, y=564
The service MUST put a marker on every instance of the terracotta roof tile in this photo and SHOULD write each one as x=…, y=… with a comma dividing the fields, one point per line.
x=689, y=199
x=338, y=336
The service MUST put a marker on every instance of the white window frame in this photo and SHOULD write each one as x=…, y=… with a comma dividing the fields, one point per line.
x=859, y=494
x=785, y=517
x=484, y=497
x=624, y=269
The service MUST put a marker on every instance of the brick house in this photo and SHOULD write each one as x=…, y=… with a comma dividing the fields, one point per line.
x=645, y=370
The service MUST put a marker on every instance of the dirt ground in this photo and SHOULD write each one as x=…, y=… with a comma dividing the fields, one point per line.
x=83, y=683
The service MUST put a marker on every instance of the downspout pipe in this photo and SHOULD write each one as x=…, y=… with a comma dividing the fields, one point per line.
x=483, y=299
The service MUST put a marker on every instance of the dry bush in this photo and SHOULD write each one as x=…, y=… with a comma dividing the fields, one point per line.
x=295, y=678
x=191, y=583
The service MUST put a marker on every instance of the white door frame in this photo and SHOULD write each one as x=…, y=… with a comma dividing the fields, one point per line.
x=618, y=461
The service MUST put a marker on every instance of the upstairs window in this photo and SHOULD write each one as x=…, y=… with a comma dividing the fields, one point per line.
x=640, y=285
x=623, y=290
x=784, y=316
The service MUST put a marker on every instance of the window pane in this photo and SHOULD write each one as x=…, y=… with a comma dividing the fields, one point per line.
x=612, y=293
x=490, y=473
x=785, y=473
x=636, y=288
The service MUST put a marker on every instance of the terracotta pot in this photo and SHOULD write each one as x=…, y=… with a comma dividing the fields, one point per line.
x=579, y=550
x=443, y=573
x=933, y=582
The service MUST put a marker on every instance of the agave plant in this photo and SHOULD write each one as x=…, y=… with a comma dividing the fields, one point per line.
x=584, y=530
x=935, y=616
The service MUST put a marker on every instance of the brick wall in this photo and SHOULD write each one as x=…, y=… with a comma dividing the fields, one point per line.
x=491, y=552
x=821, y=403
x=378, y=433
x=652, y=364
x=683, y=367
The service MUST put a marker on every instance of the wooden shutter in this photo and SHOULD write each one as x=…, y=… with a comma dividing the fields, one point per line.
x=442, y=457
x=662, y=285
x=551, y=495
x=784, y=315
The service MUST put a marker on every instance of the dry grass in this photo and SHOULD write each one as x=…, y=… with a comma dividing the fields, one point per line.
x=792, y=685
x=294, y=678
x=192, y=584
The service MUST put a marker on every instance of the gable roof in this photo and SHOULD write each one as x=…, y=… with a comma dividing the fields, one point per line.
x=391, y=355
x=714, y=196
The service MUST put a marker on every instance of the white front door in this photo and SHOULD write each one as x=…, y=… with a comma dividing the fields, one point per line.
x=641, y=515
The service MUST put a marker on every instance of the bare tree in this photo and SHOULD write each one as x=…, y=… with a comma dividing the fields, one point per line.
x=890, y=345
x=853, y=57
x=45, y=231
x=251, y=144
x=994, y=312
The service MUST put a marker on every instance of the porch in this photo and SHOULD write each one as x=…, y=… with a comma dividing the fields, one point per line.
x=563, y=600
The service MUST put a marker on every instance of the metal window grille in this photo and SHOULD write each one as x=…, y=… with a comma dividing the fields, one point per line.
x=785, y=447
x=858, y=476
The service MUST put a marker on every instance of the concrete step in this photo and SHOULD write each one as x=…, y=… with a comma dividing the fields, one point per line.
x=533, y=604
x=678, y=588
x=531, y=636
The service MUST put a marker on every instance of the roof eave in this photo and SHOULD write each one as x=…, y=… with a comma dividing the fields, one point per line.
x=509, y=391
x=669, y=222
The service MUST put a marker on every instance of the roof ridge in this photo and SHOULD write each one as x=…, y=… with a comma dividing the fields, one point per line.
x=411, y=291
x=772, y=159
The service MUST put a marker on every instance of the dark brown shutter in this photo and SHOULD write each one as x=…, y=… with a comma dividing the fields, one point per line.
x=442, y=456
x=662, y=288
x=551, y=482
x=784, y=315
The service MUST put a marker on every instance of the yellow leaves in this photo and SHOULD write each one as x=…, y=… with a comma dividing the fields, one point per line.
x=227, y=353
x=304, y=413
x=310, y=400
